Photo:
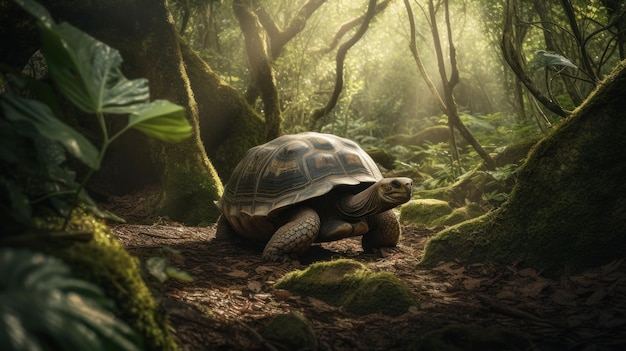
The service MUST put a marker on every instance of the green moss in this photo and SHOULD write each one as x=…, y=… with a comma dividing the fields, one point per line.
x=461, y=240
x=461, y=214
x=190, y=190
x=381, y=293
x=351, y=284
x=444, y=194
x=566, y=211
x=105, y=262
x=291, y=331
x=424, y=211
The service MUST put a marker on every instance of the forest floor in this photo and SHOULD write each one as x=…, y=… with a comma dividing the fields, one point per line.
x=231, y=299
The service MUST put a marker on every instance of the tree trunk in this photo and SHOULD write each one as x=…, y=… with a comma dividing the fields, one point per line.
x=144, y=34
x=615, y=13
x=260, y=67
x=228, y=125
x=567, y=211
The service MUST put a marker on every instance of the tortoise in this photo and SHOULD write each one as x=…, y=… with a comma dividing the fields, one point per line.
x=310, y=187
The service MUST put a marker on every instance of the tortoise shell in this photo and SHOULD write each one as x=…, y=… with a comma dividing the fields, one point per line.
x=289, y=170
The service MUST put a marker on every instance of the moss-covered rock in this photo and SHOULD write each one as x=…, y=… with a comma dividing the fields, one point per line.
x=461, y=214
x=352, y=285
x=424, y=212
x=106, y=263
x=291, y=331
x=466, y=237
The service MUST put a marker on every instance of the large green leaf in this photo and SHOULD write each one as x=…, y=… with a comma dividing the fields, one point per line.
x=86, y=70
x=43, y=120
x=161, y=119
x=43, y=305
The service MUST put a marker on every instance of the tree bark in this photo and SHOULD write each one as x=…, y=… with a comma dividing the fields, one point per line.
x=144, y=33
x=228, y=124
x=567, y=211
x=260, y=68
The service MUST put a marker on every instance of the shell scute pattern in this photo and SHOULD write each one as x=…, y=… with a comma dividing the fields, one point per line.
x=292, y=169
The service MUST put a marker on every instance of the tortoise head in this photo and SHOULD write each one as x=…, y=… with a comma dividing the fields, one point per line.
x=395, y=191
x=381, y=196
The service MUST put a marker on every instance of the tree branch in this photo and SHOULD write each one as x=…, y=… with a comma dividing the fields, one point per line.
x=341, y=56
x=584, y=57
x=347, y=26
x=278, y=37
x=418, y=59
x=511, y=56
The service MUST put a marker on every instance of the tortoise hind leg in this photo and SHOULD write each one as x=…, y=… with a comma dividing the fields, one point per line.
x=295, y=236
x=224, y=230
x=384, y=231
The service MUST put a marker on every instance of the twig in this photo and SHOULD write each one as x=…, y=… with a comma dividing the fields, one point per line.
x=508, y=310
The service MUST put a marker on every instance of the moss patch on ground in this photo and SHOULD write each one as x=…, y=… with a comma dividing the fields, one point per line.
x=352, y=285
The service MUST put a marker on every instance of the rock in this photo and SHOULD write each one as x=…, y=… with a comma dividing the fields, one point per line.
x=291, y=331
x=352, y=285
x=424, y=211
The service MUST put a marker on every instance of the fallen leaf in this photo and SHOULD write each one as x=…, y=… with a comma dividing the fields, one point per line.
x=471, y=284
x=282, y=293
x=255, y=285
x=264, y=269
x=237, y=273
x=535, y=288
x=596, y=297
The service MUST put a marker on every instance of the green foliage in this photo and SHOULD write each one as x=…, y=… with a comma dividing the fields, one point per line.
x=104, y=261
x=544, y=59
x=44, y=307
x=162, y=270
x=88, y=73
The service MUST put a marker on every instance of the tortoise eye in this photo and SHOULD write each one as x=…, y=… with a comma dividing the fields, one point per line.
x=396, y=184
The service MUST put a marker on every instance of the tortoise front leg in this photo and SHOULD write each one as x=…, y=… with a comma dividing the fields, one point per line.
x=384, y=231
x=295, y=236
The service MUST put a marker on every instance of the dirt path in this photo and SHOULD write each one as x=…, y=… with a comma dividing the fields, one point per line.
x=231, y=299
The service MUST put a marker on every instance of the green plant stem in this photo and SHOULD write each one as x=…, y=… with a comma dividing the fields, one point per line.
x=105, y=144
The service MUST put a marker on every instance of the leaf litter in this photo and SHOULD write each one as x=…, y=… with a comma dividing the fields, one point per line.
x=231, y=299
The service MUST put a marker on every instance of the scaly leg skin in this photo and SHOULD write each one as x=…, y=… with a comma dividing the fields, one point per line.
x=384, y=231
x=294, y=237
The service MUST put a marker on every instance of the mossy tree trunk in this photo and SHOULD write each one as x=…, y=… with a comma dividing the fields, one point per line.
x=144, y=33
x=228, y=124
x=260, y=67
x=567, y=211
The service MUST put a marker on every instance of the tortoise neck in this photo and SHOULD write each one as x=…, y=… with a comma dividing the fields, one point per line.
x=365, y=203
